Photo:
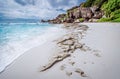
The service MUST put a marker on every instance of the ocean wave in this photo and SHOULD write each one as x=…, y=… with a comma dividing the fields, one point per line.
x=21, y=39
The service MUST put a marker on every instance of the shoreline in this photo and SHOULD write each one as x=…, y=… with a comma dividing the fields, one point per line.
x=38, y=41
x=32, y=60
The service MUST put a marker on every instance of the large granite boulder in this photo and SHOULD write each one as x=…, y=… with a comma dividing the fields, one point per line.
x=71, y=12
x=77, y=13
x=77, y=21
x=86, y=13
x=70, y=15
x=94, y=9
x=61, y=16
x=55, y=21
x=69, y=20
x=98, y=15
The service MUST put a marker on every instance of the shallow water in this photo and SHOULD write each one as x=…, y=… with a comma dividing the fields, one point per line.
x=16, y=38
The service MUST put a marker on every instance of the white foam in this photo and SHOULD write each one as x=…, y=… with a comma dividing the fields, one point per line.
x=15, y=48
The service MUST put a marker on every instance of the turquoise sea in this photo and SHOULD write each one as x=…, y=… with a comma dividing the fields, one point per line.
x=16, y=38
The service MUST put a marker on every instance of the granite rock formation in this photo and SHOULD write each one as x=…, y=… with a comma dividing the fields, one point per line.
x=79, y=14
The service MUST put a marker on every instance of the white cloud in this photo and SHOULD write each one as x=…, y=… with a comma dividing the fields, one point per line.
x=34, y=8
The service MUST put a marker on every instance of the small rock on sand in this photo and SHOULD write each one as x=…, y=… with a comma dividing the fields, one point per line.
x=68, y=73
x=62, y=67
x=80, y=72
x=97, y=54
x=71, y=63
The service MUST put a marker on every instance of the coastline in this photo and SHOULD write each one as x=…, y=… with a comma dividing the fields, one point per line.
x=101, y=36
x=34, y=37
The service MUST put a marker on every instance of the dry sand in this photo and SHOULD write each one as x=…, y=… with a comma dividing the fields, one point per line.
x=102, y=41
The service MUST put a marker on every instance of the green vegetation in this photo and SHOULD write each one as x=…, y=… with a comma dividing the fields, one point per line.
x=61, y=18
x=88, y=3
x=115, y=14
x=113, y=17
x=96, y=2
x=104, y=20
x=111, y=9
x=81, y=19
x=116, y=20
x=111, y=6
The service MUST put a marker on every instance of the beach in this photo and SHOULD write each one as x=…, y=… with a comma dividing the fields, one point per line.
x=99, y=59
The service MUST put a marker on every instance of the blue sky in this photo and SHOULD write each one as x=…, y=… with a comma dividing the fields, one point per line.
x=34, y=9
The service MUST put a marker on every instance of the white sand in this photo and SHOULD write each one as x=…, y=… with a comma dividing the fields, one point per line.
x=100, y=36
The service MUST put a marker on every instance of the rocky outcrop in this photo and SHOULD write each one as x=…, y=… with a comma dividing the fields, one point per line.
x=74, y=14
x=69, y=20
x=44, y=21
x=77, y=13
x=86, y=13
x=98, y=15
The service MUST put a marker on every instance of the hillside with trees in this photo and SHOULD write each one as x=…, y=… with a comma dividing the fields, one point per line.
x=91, y=11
